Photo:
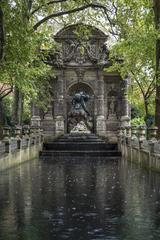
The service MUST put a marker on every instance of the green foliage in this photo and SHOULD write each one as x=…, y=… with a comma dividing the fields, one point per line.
x=138, y=121
x=135, y=112
x=134, y=53
x=23, y=64
x=26, y=112
x=7, y=107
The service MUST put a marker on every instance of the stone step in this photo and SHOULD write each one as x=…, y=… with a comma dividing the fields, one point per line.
x=54, y=154
x=81, y=140
x=77, y=146
x=79, y=136
x=90, y=146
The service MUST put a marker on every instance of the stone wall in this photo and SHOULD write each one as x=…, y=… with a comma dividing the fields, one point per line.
x=140, y=145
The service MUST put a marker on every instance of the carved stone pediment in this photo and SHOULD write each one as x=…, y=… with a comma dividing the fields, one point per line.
x=74, y=51
x=79, y=52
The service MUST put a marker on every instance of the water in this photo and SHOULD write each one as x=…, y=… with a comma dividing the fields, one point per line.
x=79, y=201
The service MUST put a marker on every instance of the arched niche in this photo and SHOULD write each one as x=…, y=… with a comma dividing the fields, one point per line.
x=80, y=86
x=90, y=105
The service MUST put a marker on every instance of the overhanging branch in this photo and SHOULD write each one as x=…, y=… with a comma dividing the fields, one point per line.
x=79, y=9
x=5, y=92
x=47, y=4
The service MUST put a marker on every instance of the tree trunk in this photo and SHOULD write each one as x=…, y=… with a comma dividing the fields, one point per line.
x=17, y=107
x=157, y=25
x=1, y=35
x=2, y=120
x=146, y=118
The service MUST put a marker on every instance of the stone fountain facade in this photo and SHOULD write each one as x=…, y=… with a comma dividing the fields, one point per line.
x=79, y=65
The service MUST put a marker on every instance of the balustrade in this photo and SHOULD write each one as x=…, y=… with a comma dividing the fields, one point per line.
x=19, y=138
x=140, y=144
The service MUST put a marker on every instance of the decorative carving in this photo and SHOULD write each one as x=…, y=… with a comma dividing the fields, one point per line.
x=112, y=106
x=80, y=52
x=80, y=128
x=69, y=49
x=103, y=55
x=112, y=91
x=59, y=58
x=80, y=74
x=112, y=103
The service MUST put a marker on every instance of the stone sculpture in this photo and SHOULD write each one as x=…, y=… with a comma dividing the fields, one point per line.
x=80, y=128
x=79, y=112
x=79, y=102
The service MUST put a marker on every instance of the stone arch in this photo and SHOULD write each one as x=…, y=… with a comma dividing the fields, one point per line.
x=69, y=31
x=80, y=86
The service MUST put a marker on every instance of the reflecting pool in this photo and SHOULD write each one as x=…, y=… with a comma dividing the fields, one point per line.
x=79, y=200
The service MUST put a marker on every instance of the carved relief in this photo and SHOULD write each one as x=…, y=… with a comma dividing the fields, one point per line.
x=80, y=74
x=81, y=52
x=103, y=54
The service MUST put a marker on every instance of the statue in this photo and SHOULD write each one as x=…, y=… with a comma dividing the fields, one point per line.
x=79, y=112
x=79, y=102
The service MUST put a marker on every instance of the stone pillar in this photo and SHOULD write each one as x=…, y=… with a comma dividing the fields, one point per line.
x=100, y=121
x=59, y=108
x=35, y=119
x=125, y=111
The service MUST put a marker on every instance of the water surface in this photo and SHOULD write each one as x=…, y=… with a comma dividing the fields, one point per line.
x=80, y=200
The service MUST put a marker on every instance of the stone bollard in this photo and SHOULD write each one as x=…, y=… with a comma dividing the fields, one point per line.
x=133, y=132
x=25, y=130
x=33, y=134
x=128, y=135
x=41, y=135
x=6, y=133
x=119, y=134
x=38, y=135
x=152, y=135
x=18, y=135
x=6, y=138
x=141, y=135
x=123, y=136
x=26, y=133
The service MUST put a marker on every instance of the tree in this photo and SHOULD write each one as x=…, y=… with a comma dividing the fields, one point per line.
x=22, y=65
x=1, y=34
x=29, y=26
x=156, y=8
x=136, y=46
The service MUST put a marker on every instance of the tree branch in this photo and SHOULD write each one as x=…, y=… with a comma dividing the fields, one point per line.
x=2, y=86
x=58, y=14
x=140, y=86
x=150, y=88
x=7, y=93
x=48, y=3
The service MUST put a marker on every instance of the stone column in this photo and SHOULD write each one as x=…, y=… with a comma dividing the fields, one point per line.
x=59, y=108
x=35, y=119
x=100, y=121
x=125, y=111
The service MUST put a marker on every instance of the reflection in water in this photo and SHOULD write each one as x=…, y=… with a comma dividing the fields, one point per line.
x=79, y=200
